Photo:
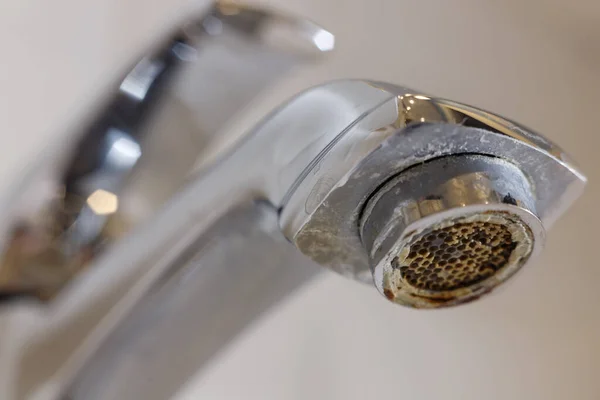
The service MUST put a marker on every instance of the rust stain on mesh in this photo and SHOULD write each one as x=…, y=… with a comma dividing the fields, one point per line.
x=457, y=256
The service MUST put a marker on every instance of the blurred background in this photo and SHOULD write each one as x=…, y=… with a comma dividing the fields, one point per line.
x=535, y=62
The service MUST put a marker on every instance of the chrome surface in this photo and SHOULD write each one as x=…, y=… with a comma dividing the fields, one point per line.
x=437, y=186
x=345, y=130
x=198, y=298
x=461, y=189
x=322, y=215
x=172, y=268
x=137, y=153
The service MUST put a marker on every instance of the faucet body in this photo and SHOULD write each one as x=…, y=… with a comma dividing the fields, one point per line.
x=135, y=256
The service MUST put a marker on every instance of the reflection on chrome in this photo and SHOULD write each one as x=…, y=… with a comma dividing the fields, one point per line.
x=103, y=202
x=123, y=150
x=138, y=82
x=324, y=40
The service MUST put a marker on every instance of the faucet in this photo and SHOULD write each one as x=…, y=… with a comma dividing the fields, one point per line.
x=152, y=237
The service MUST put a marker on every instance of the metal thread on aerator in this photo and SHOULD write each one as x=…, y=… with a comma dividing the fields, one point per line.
x=449, y=230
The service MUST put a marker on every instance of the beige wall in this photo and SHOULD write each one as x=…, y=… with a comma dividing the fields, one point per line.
x=538, y=338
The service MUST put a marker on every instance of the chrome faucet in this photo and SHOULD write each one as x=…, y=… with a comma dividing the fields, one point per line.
x=148, y=242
